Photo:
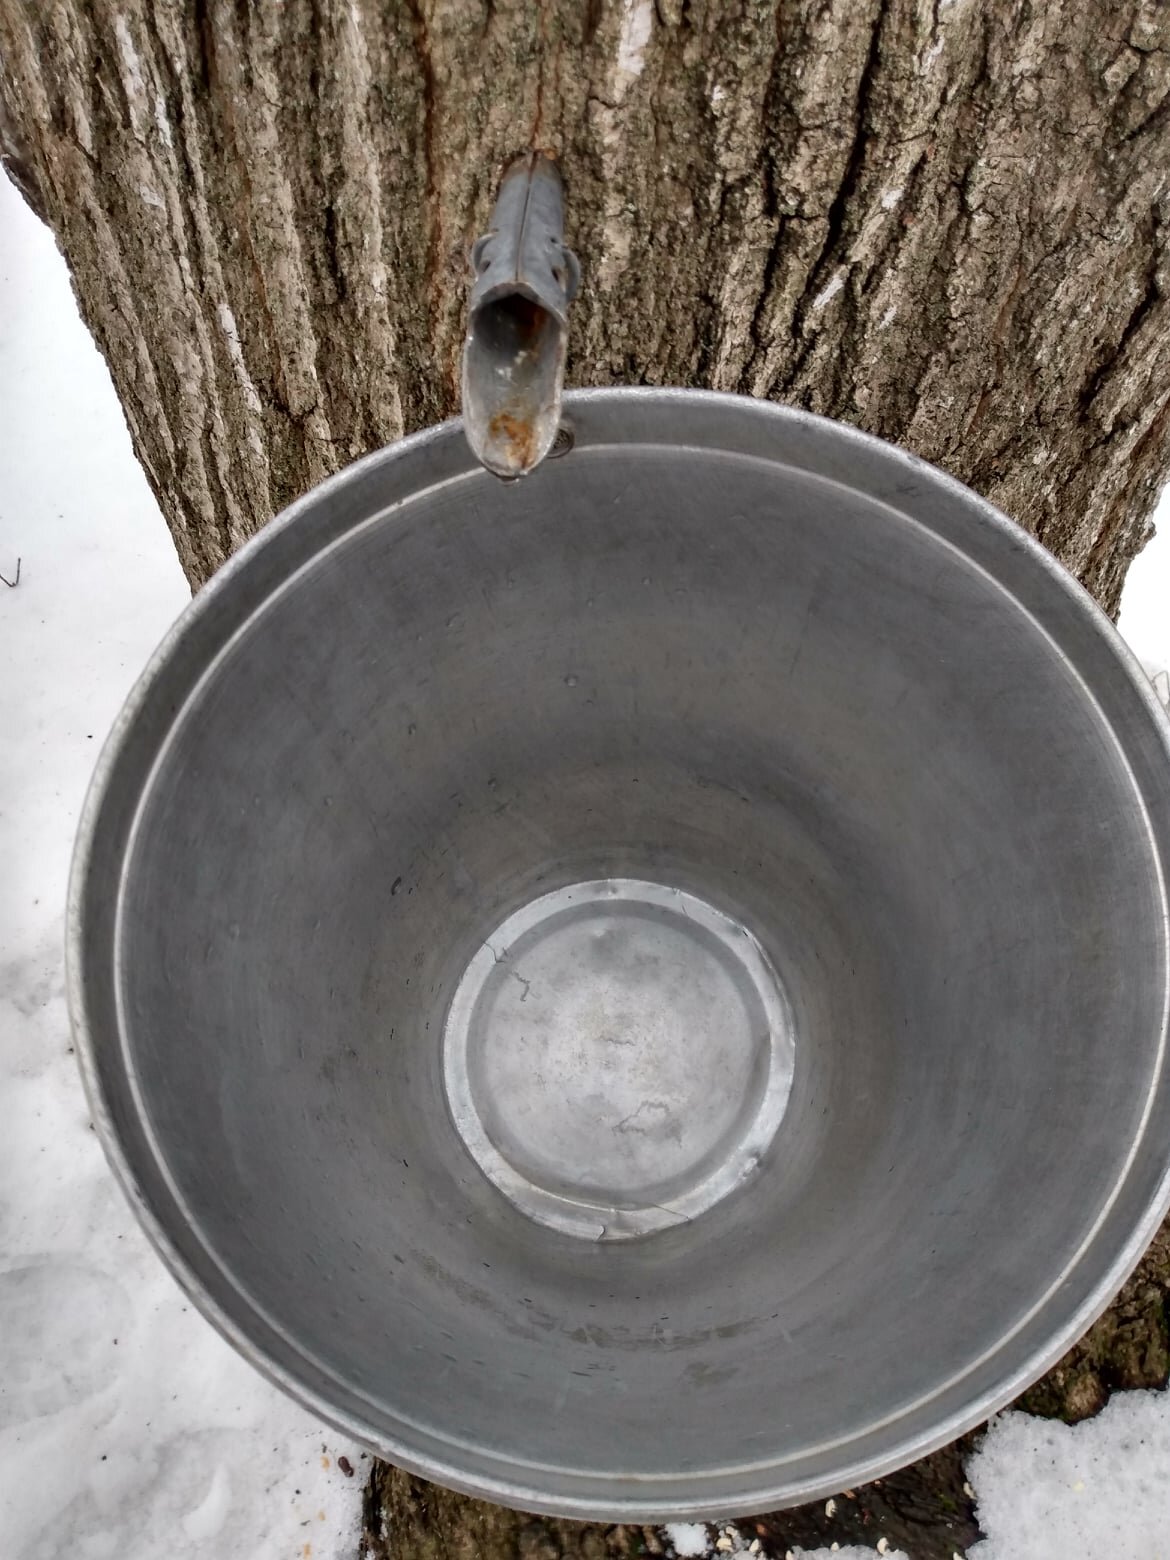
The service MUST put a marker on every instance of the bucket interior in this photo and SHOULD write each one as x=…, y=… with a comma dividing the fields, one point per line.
x=745, y=685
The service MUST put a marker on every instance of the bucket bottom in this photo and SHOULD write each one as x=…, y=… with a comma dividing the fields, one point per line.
x=617, y=1057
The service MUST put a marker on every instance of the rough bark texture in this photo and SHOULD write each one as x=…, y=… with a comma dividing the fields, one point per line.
x=943, y=220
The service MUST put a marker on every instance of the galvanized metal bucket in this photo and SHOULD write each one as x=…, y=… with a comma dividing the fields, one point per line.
x=639, y=992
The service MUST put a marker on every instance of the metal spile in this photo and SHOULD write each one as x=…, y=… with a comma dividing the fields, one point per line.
x=517, y=323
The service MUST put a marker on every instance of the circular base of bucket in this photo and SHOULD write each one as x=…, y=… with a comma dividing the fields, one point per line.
x=617, y=1057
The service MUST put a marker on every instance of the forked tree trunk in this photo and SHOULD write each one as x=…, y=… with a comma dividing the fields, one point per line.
x=943, y=220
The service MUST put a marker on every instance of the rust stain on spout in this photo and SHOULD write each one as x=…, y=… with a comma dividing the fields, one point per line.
x=518, y=438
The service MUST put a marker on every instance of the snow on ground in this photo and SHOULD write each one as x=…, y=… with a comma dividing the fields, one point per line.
x=128, y=1429
x=1049, y=1491
x=688, y=1539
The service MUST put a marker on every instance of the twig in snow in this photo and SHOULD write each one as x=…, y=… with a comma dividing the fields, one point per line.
x=12, y=584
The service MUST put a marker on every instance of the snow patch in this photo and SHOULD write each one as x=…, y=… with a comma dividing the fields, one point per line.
x=207, y=1519
x=688, y=1539
x=1047, y=1490
x=890, y=199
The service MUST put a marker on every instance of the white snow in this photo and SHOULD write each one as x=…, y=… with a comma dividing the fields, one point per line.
x=1049, y=1491
x=688, y=1539
x=128, y=1429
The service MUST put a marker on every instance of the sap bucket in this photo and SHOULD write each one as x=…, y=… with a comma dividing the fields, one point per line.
x=642, y=991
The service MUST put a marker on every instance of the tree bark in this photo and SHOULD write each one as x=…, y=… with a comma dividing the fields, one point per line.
x=943, y=220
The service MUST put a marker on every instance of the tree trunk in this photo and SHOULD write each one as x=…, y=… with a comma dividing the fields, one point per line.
x=942, y=220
